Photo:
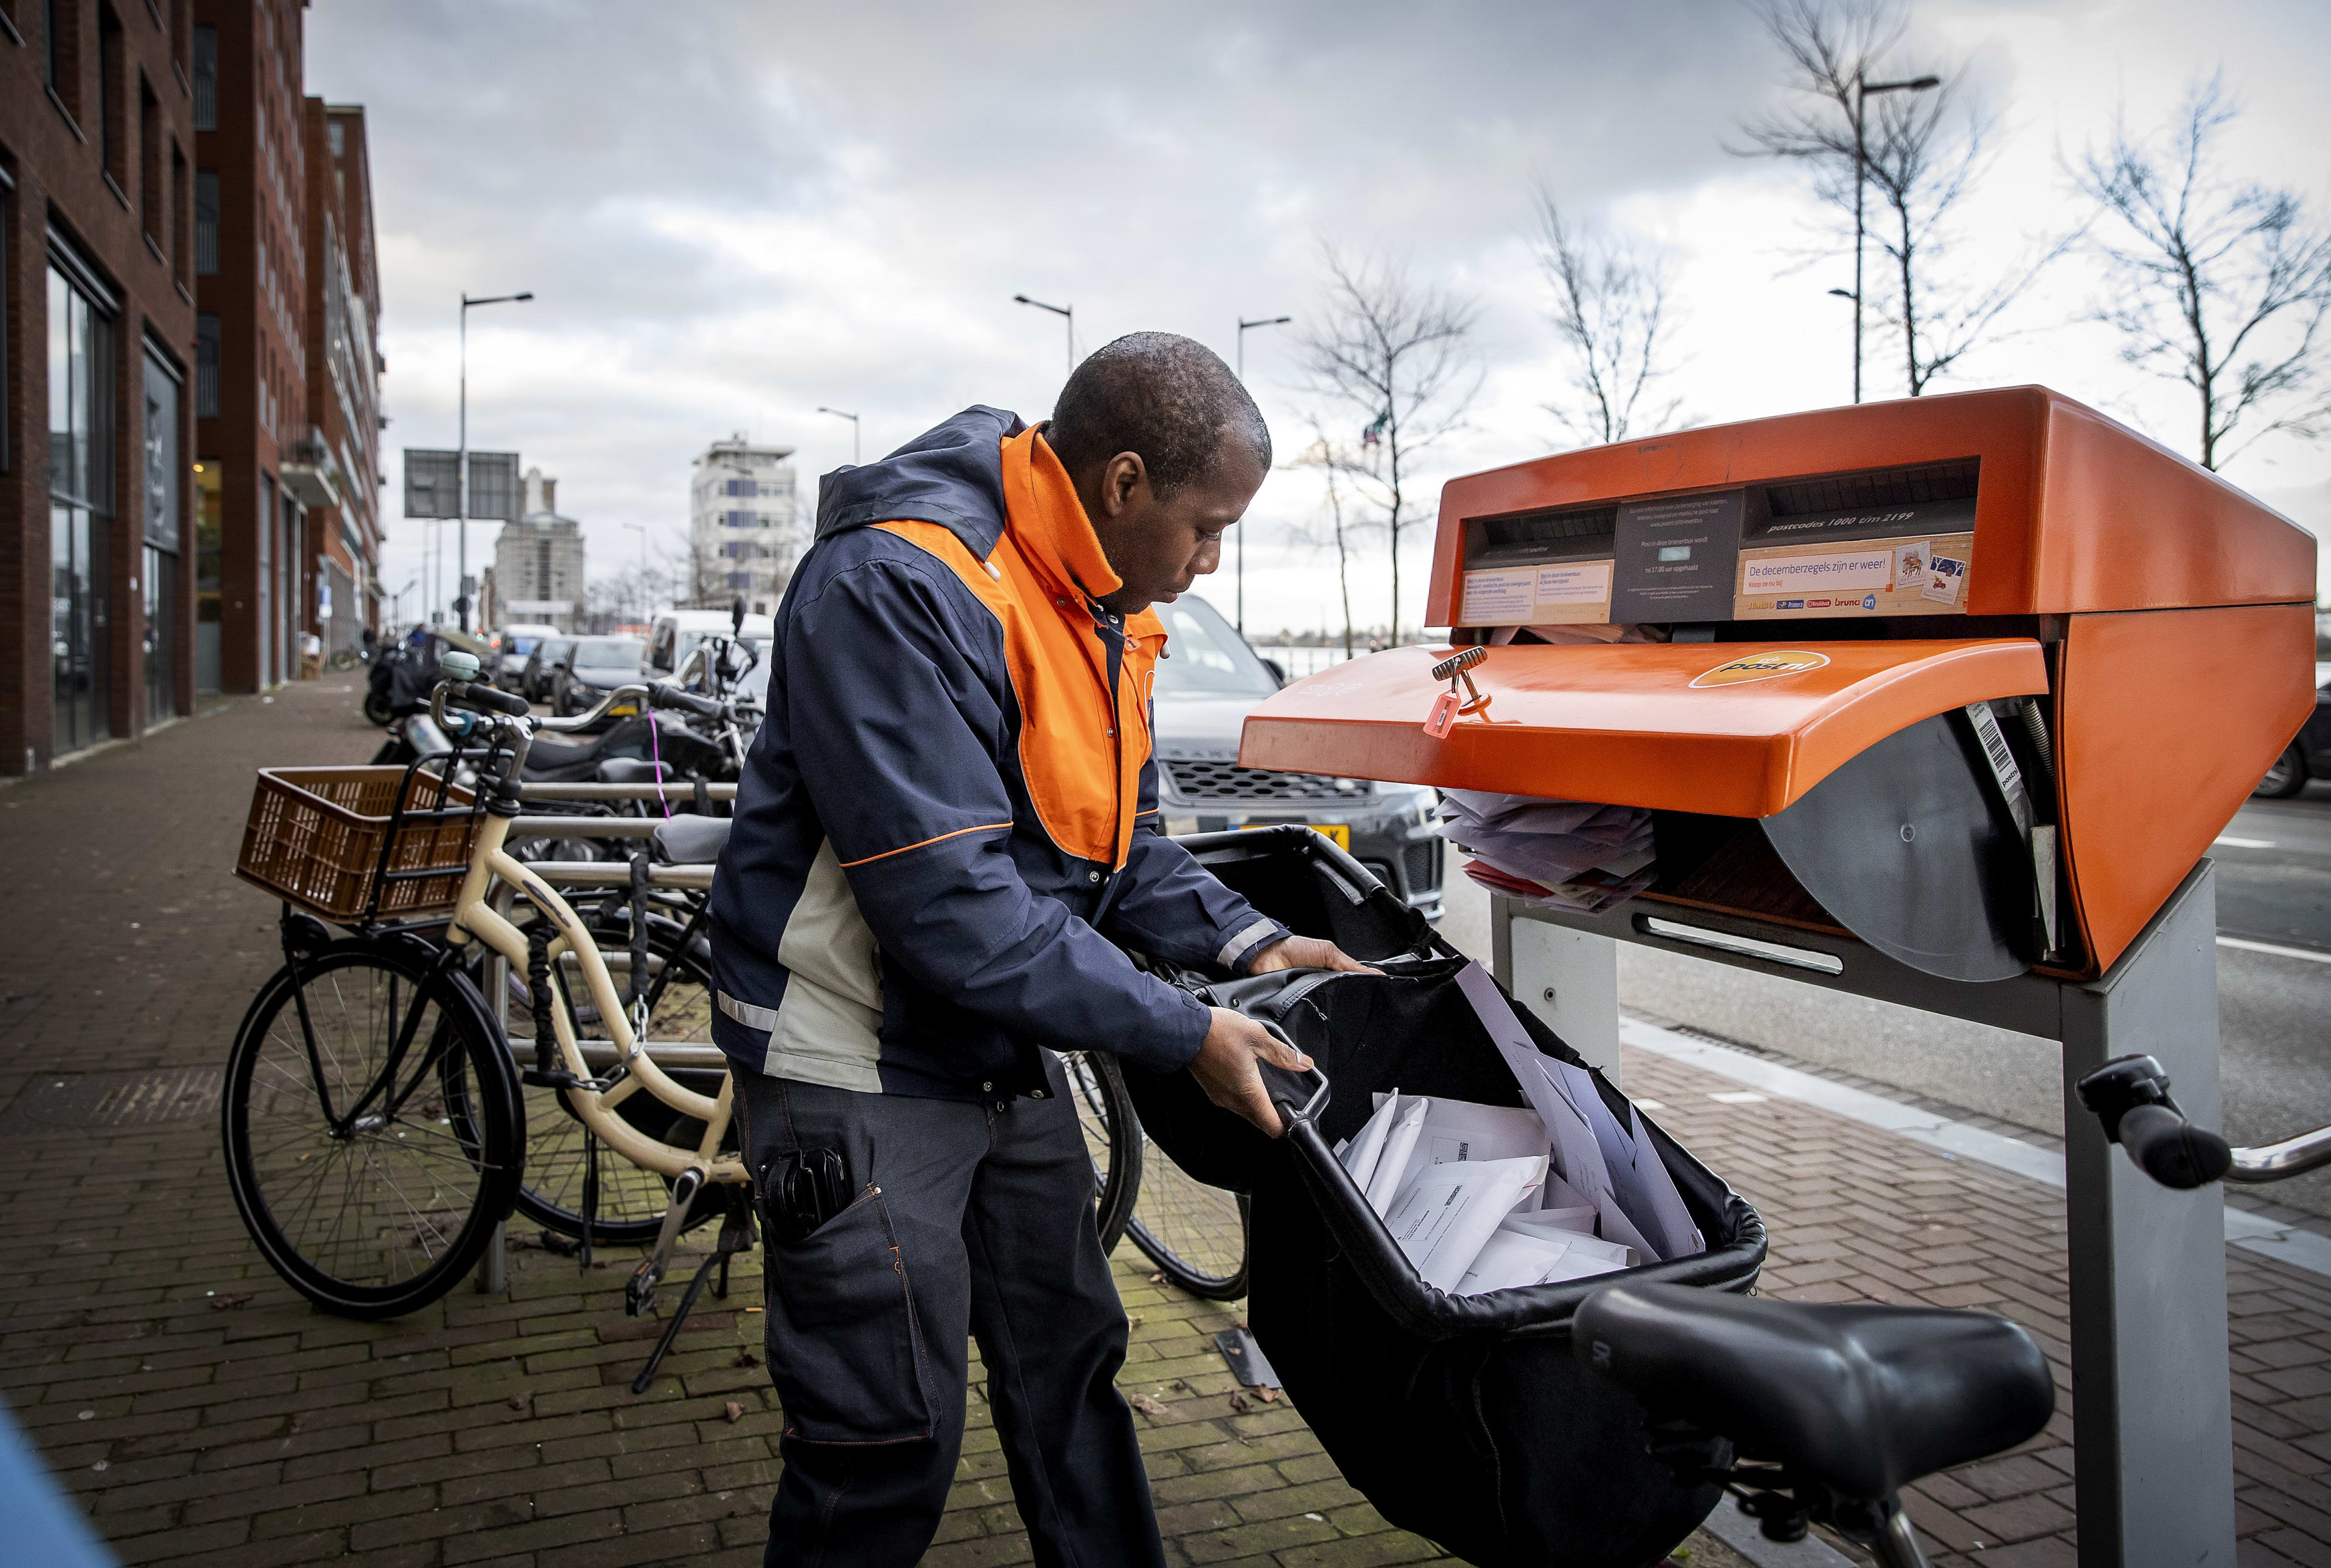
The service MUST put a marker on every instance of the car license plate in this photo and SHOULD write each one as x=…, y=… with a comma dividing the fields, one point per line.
x=1340, y=833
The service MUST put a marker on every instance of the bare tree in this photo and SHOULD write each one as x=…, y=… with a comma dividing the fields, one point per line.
x=2221, y=285
x=1611, y=308
x=1341, y=530
x=1918, y=152
x=1397, y=353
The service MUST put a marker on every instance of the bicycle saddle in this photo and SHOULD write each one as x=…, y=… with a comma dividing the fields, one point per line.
x=691, y=840
x=558, y=761
x=1863, y=1397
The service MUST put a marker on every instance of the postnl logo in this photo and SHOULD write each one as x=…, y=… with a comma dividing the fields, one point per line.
x=1761, y=666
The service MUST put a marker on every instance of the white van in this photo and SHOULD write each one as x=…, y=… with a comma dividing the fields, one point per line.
x=515, y=643
x=676, y=632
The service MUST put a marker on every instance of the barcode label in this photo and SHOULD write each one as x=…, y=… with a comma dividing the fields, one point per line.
x=2009, y=777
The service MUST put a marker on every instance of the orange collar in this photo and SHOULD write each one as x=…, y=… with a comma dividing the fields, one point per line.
x=1049, y=522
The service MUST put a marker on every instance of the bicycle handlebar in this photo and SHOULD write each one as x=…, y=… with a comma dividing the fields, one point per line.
x=2130, y=1094
x=663, y=694
x=477, y=694
x=598, y=711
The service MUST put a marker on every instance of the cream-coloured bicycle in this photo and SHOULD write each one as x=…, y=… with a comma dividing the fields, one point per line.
x=374, y=1129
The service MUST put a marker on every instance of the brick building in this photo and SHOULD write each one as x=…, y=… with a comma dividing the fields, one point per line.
x=343, y=374
x=97, y=327
x=253, y=482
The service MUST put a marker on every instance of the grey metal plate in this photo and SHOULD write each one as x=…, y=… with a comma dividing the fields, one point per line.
x=1902, y=846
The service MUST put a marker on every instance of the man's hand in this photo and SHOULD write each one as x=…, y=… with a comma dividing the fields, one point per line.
x=1225, y=1068
x=1305, y=953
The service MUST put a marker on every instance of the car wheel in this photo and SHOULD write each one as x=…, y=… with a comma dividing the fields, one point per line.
x=2285, y=779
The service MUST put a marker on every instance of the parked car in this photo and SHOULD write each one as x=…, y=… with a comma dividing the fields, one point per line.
x=676, y=632
x=542, y=667
x=2309, y=756
x=597, y=666
x=515, y=645
x=1205, y=686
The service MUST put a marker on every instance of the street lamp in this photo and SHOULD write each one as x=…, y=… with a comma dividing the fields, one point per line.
x=1238, y=571
x=1069, y=311
x=1861, y=91
x=642, y=530
x=462, y=476
x=853, y=418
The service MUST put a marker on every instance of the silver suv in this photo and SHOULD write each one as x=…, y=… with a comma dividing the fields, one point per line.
x=1207, y=683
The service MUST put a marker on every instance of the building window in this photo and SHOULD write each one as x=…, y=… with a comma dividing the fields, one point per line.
x=181, y=251
x=741, y=487
x=112, y=136
x=7, y=189
x=740, y=579
x=81, y=498
x=206, y=223
x=206, y=77
x=149, y=162
x=206, y=366
x=739, y=520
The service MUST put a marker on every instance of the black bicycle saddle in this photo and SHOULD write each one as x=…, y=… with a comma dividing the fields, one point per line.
x=560, y=762
x=691, y=840
x=1863, y=1397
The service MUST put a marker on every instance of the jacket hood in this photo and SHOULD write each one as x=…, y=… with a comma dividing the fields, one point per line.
x=952, y=475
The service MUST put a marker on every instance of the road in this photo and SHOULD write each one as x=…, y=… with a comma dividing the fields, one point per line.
x=2274, y=1008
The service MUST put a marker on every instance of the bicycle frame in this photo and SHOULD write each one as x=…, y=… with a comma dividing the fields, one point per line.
x=594, y=1101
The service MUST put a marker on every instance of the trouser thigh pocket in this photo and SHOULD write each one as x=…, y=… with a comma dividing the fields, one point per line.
x=845, y=1347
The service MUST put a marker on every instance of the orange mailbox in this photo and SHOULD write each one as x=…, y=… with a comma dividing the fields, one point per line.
x=1940, y=701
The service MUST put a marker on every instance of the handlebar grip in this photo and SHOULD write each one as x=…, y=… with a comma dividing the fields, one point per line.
x=475, y=694
x=2172, y=1150
x=667, y=696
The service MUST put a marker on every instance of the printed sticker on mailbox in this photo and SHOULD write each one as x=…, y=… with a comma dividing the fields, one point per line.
x=1761, y=666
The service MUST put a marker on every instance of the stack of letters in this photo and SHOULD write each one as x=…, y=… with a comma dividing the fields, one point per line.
x=1486, y=1197
x=1572, y=853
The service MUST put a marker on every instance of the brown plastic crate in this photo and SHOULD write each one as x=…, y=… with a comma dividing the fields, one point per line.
x=315, y=833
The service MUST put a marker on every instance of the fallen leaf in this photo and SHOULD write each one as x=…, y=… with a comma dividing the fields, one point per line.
x=1133, y=1322
x=1145, y=1405
x=1158, y=1277
x=519, y=1400
x=221, y=1303
x=1240, y=1404
x=1181, y=1384
x=736, y=1411
x=1267, y=1395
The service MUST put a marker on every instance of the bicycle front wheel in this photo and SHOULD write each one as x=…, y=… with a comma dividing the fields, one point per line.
x=1112, y=1136
x=1195, y=1234
x=372, y=1128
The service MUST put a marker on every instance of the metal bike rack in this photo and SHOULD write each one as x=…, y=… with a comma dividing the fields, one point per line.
x=1938, y=702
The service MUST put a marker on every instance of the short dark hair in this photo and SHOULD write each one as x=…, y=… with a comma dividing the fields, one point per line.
x=1167, y=398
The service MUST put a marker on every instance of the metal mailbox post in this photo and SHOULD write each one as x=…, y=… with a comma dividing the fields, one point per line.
x=1939, y=703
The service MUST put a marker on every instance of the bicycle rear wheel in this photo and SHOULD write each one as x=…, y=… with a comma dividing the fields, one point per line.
x=372, y=1128
x=1195, y=1234
x=1112, y=1136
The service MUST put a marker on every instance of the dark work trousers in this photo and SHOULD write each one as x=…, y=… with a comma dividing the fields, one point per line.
x=971, y=1219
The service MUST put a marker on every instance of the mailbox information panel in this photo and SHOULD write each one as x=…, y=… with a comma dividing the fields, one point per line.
x=1891, y=543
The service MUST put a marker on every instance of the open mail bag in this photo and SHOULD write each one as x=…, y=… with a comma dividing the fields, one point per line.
x=1460, y=1416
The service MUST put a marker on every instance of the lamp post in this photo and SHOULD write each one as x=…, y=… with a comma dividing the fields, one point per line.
x=462, y=474
x=1861, y=91
x=853, y=418
x=1067, y=312
x=642, y=530
x=1238, y=571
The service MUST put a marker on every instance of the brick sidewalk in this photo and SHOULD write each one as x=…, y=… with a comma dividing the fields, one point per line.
x=204, y=1415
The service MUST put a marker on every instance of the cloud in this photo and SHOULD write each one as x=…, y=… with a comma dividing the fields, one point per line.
x=731, y=214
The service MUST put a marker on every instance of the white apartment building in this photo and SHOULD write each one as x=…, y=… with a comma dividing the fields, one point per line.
x=537, y=571
x=741, y=532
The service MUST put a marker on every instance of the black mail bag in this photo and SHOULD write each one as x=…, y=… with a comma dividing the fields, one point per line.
x=1463, y=1419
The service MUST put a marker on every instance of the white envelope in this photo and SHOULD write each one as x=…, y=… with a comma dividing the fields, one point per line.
x=1408, y=1124
x=1445, y=1216
x=1360, y=1155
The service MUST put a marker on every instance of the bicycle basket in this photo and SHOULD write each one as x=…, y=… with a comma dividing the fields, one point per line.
x=315, y=838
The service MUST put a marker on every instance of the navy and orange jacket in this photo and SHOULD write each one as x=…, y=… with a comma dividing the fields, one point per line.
x=946, y=831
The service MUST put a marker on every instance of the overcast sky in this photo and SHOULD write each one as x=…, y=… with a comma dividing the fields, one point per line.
x=731, y=214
